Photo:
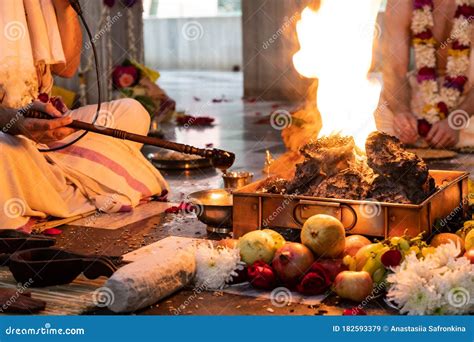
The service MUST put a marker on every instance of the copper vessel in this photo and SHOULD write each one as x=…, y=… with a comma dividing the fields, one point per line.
x=253, y=210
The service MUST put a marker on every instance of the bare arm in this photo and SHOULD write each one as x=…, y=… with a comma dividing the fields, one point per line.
x=396, y=55
x=396, y=59
x=71, y=38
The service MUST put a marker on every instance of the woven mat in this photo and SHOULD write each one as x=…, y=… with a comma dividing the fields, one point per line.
x=71, y=299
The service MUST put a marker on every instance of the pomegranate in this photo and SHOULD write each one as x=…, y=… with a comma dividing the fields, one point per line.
x=292, y=261
x=333, y=266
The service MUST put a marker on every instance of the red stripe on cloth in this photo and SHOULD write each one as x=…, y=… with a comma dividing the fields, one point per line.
x=115, y=167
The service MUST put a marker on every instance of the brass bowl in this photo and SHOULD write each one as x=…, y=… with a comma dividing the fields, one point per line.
x=237, y=179
x=214, y=208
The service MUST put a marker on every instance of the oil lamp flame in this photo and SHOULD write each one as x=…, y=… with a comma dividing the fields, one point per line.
x=336, y=45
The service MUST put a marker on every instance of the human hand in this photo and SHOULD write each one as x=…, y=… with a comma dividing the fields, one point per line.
x=442, y=135
x=406, y=127
x=46, y=130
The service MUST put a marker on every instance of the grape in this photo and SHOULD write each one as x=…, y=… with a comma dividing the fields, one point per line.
x=379, y=275
x=350, y=262
x=404, y=244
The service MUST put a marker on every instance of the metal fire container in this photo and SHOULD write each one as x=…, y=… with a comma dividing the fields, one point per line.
x=253, y=210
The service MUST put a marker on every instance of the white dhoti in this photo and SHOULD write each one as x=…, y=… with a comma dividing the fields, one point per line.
x=98, y=172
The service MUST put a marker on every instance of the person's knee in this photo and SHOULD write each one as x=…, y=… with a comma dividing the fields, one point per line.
x=137, y=116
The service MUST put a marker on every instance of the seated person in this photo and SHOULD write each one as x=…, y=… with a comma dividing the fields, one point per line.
x=97, y=172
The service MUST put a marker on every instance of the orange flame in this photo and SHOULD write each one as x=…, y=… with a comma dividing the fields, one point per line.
x=336, y=47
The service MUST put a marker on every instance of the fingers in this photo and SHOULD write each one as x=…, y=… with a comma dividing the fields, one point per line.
x=433, y=131
x=52, y=135
x=46, y=125
x=47, y=108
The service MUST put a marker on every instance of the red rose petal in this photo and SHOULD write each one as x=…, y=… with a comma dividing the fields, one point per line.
x=52, y=231
x=43, y=97
x=354, y=312
x=424, y=127
x=391, y=258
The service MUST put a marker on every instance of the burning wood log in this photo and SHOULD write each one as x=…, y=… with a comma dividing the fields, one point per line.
x=335, y=168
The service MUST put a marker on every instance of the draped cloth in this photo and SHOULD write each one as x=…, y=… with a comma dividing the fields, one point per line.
x=98, y=172
x=29, y=43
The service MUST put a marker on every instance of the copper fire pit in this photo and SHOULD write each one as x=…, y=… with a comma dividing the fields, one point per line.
x=253, y=210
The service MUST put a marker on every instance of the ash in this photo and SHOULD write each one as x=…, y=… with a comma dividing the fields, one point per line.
x=335, y=168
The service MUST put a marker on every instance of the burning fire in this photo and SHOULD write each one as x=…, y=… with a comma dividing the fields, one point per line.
x=336, y=47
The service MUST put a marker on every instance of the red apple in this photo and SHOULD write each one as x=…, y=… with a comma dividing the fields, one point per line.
x=355, y=286
x=470, y=255
x=354, y=243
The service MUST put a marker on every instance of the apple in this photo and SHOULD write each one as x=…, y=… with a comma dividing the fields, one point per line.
x=470, y=255
x=324, y=235
x=277, y=238
x=443, y=238
x=256, y=245
x=354, y=243
x=355, y=286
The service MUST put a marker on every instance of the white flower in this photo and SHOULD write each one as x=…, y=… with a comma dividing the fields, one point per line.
x=457, y=65
x=450, y=96
x=425, y=56
x=428, y=90
x=440, y=283
x=461, y=31
x=421, y=20
x=215, y=266
x=464, y=2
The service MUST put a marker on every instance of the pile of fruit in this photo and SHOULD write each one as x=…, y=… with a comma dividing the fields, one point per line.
x=326, y=259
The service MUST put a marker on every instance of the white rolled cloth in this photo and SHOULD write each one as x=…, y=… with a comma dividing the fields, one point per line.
x=30, y=40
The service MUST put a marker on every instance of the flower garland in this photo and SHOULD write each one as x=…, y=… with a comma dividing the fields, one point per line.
x=438, y=103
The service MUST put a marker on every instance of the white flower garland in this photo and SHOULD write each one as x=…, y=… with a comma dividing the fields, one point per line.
x=439, y=102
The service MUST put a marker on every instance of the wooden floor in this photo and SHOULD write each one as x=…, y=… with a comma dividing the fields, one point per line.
x=236, y=130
